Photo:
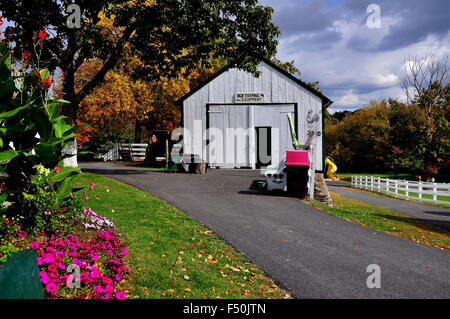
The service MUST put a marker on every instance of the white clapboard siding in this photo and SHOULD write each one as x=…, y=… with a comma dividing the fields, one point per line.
x=403, y=188
x=277, y=88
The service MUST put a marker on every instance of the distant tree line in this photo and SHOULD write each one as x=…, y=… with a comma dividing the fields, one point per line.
x=411, y=137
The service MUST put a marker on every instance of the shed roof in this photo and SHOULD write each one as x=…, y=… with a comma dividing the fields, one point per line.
x=325, y=101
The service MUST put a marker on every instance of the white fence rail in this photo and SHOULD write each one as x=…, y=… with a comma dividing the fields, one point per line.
x=422, y=191
x=137, y=151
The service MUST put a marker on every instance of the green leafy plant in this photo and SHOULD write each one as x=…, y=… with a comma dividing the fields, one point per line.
x=32, y=131
x=6, y=251
x=51, y=204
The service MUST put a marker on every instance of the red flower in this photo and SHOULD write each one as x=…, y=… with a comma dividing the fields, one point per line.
x=91, y=185
x=42, y=35
x=7, y=222
x=26, y=57
x=57, y=169
x=47, y=82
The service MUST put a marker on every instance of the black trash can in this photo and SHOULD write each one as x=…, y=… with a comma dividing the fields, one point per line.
x=297, y=167
x=297, y=181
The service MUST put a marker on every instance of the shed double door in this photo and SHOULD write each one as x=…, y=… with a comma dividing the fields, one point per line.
x=232, y=136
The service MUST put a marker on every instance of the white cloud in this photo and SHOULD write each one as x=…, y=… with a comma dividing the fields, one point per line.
x=353, y=69
x=348, y=99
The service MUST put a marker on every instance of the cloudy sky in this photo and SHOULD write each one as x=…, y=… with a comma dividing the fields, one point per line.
x=331, y=42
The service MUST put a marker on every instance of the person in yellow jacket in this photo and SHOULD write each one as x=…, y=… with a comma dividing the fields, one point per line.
x=330, y=168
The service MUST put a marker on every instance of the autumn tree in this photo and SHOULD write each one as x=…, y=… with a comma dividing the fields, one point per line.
x=166, y=35
x=426, y=84
x=361, y=139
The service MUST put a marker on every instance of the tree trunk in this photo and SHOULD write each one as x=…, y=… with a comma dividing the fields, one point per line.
x=70, y=149
x=70, y=110
x=138, y=131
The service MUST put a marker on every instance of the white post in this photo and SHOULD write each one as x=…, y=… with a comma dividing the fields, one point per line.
x=312, y=172
x=407, y=190
x=379, y=184
x=420, y=190
x=396, y=188
x=371, y=183
x=434, y=193
x=387, y=185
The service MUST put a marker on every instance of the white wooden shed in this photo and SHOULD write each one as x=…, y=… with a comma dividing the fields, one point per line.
x=234, y=101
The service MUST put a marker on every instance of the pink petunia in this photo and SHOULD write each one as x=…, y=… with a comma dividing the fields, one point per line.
x=95, y=274
x=109, y=288
x=51, y=287
x=99, y=289
x=121, y=295
x=94, y=256
x=35, y=245
x=48, y=260
x=52, y=268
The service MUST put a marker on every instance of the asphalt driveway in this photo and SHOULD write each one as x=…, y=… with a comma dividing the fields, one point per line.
x=309, y=252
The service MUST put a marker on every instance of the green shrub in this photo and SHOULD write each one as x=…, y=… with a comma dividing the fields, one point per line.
x=49, y=205
x=32, y=131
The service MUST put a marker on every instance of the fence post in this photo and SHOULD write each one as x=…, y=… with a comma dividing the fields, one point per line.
x=396, y=188
x=387, y=185
x=407, y=189
x=367, y=182
x=420, y=190
x=434, y=193
x=379, y=184
x=371, y=183
x=353, y=184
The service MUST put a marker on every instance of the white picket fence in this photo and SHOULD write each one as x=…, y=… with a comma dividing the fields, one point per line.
x=422, y=191
x=137, y=151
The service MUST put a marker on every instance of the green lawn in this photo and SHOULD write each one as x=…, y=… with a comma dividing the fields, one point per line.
x=385, y=220
x=170, y=254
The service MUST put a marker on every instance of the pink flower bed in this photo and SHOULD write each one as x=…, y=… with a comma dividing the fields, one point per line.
x=99, y=262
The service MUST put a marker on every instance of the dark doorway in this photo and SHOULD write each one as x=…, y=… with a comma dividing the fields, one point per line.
x=263, y=146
